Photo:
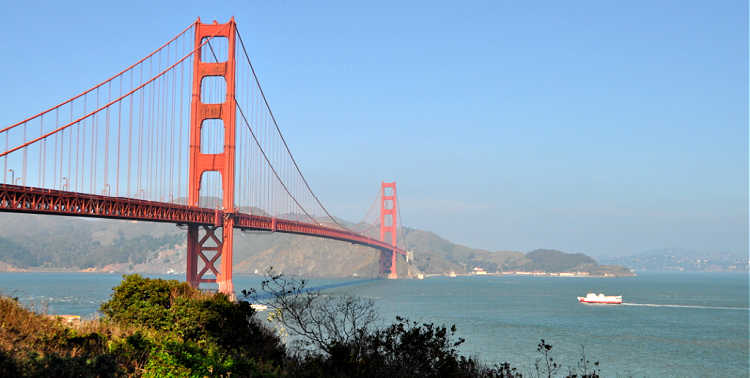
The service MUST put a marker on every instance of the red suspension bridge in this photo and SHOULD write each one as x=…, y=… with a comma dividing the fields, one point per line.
x=186, y=136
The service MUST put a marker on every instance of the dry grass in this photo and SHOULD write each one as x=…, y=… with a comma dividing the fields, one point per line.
x=185, y=291
x=110, y=329
x=24, y=332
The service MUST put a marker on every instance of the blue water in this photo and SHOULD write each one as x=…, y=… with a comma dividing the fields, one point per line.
x=671, y=325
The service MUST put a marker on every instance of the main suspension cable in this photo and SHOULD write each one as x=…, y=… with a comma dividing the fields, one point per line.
x=247, y=124
x=100, y=84
x=273, y=118
x=107, y=105
x=257, y=142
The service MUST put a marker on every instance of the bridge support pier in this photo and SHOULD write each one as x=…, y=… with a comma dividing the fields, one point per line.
x=224, y=279
x=193, y=249
x=388, y=264
x=205, y=245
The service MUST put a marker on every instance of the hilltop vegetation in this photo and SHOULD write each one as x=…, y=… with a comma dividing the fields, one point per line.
x=53, y=242
x=556, y=261
x=49, y=242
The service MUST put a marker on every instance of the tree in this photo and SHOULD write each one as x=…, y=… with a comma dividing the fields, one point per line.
x=316, y=320
x=585, y=368
x=545, y=363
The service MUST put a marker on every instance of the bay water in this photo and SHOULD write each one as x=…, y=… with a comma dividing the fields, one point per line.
x=671, y=324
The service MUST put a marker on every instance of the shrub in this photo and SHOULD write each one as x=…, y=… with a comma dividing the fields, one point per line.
x=190, y=331
x=144, y=301
x=35, y=345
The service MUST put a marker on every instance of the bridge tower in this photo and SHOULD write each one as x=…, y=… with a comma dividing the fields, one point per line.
x=388, y=224
x=205, y=242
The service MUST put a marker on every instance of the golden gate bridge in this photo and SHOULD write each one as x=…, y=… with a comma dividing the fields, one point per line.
x=186, y=136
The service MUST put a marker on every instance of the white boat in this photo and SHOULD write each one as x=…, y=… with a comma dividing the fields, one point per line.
x=601, y=298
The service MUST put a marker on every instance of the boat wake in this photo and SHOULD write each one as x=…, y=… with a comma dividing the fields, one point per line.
x=686, y=306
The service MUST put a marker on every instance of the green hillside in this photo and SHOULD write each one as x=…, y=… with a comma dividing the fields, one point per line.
x=66, y=243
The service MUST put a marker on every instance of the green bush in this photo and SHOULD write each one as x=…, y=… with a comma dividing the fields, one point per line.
x=195, y=332
x=144, y=301
x=403, y=349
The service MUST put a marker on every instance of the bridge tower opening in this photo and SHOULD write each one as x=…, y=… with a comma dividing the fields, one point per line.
x=204, y=242
x=388, y=224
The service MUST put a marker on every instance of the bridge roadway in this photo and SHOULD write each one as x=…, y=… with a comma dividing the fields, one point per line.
x=24, y=199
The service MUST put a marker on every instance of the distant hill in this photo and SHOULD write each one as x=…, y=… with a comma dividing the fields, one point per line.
x=549, y=260
x=435, y=255
x=52, y=242
x=683, y=260
x=64, y=243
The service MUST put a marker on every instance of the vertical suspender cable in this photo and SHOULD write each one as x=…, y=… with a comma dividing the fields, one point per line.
x=106, y=138
x=130, y=135
x=25, y=150
x=139, y=173
x=93, y=147
x=119, y=130
x=171, y=133
x=260, y=89
x=55, y=183
x=150, y=150
x=40, y=178
x=81, y=147
x=181, y=126
x=5, y=161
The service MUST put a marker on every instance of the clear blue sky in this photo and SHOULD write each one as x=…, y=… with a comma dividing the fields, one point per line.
x=601, y=127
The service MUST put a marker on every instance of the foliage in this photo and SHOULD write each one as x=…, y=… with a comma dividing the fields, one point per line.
x=586, y=368
x=317, y=320
x=144, y=301
x=37, y=345
x=545, y=364
x=77, y=243
x=200, y=332
x=136, y=249
x=403, y=349
x=339, y=337
x=15, y=254
x=158, y=328
x=550, y=260
x=409, y=349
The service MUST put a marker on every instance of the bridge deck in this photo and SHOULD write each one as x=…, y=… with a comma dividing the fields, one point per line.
x=23, y=199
